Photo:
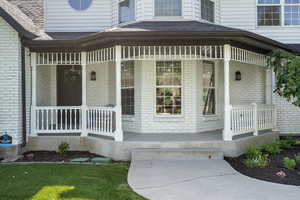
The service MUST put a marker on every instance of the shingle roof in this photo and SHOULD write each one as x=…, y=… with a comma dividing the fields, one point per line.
x=177, y=26
x=34, y=9
x=295, y=47
x=20, y=21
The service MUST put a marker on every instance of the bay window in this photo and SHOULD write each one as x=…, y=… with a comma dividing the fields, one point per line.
x=127, y=87
x=168, y=87
x=126, y=11
x=209, y=88
x=168, y=7
x=208, y=10
x=278, y=12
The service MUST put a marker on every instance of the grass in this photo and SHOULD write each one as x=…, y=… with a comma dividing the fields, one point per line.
x=65, y=182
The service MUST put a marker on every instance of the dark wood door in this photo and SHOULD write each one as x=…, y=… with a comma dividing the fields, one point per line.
x=69, y=86
x=69, y=93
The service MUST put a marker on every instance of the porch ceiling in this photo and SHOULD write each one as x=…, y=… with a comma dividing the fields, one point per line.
x=159, y=33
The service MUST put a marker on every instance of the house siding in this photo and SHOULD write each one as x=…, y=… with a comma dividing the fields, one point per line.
x=61, y=17
x=242, y=14
x=10, y=82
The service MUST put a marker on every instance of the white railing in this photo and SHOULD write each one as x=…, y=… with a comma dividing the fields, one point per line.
x=53, y=119
x=101, y=120
x=266, y=117
x=61, y=119
x=252, y=118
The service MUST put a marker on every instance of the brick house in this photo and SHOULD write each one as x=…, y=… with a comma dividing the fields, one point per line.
x=112, y=75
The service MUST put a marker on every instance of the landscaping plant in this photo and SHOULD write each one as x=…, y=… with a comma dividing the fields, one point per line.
x=297, y=158
x=272, y=148
x=255, y=158
x=63, y=148
x=289, y=163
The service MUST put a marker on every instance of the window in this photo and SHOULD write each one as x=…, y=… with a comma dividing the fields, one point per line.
x=292, y=12
x=268, y=13
x=127, y=88
x=126, y=11
x=208, y=10
x=168, y=7
x=278, y=12
x=168, y=87
x=80, y=4
x=209, y=88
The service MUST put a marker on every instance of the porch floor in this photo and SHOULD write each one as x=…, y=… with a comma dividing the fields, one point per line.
x=204, y=136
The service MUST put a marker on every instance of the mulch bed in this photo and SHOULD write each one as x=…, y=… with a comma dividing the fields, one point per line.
x=269, y=173
x=52, y=156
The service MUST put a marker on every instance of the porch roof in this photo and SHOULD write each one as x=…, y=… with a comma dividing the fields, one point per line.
x=159, y=33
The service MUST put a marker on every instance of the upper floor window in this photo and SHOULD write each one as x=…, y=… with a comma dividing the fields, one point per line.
x=168, y=8
x=126, y=11
x=278, y=12
x=208, y=10
x=80, y=4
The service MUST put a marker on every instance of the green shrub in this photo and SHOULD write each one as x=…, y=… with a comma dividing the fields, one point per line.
x=63, y=148
x=289, y=163
x=272, y=148
x=297, y=158
x=284, y=144
x=260, y=161
x=252, y=152
x=287, y=143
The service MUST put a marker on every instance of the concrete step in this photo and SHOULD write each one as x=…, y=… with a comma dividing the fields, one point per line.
x=177, y=154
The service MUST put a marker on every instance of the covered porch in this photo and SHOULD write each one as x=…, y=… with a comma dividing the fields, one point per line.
x=102, y=87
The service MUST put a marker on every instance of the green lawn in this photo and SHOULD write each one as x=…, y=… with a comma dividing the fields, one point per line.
x=65, y=182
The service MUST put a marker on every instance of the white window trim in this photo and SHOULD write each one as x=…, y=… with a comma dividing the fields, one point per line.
x=118, y=14
x=282, y=4
x=169, y=116
x=215, y=116
x=215, y=13
x=167, y=17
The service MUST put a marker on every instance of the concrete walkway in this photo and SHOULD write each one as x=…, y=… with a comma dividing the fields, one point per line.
x=202, y=179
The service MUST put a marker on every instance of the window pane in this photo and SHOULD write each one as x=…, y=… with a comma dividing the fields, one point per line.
x=168, y=7
x=127, y=80
x=209, y=91
x=292, y=15
x=126, y=11
x=268, y=1
x=209, y=99
x=168, y=91
x=268, y=15
x=80, y=4
x=292, y=1
x=208, y=10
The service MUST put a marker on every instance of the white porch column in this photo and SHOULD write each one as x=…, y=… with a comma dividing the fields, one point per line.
x=119, y=131
x=84, y=104
x=227, y=134
x=33, y=93
x=268, y=86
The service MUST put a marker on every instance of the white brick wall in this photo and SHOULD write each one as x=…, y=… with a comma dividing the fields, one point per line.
x=288, y=116
x=10, y=82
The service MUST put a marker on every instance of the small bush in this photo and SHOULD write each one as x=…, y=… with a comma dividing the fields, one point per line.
x=63, y=148
x=259, y=161
x=272, y=148
x=297, y=158
x=252, y=152
x=289, y=163
x=284, y=144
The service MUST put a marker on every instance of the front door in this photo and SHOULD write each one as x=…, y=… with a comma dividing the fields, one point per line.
x=69, y=86
x=69, y=93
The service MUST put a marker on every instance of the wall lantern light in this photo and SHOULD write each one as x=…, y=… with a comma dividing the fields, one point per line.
x=93, y=76
x=238, y=76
